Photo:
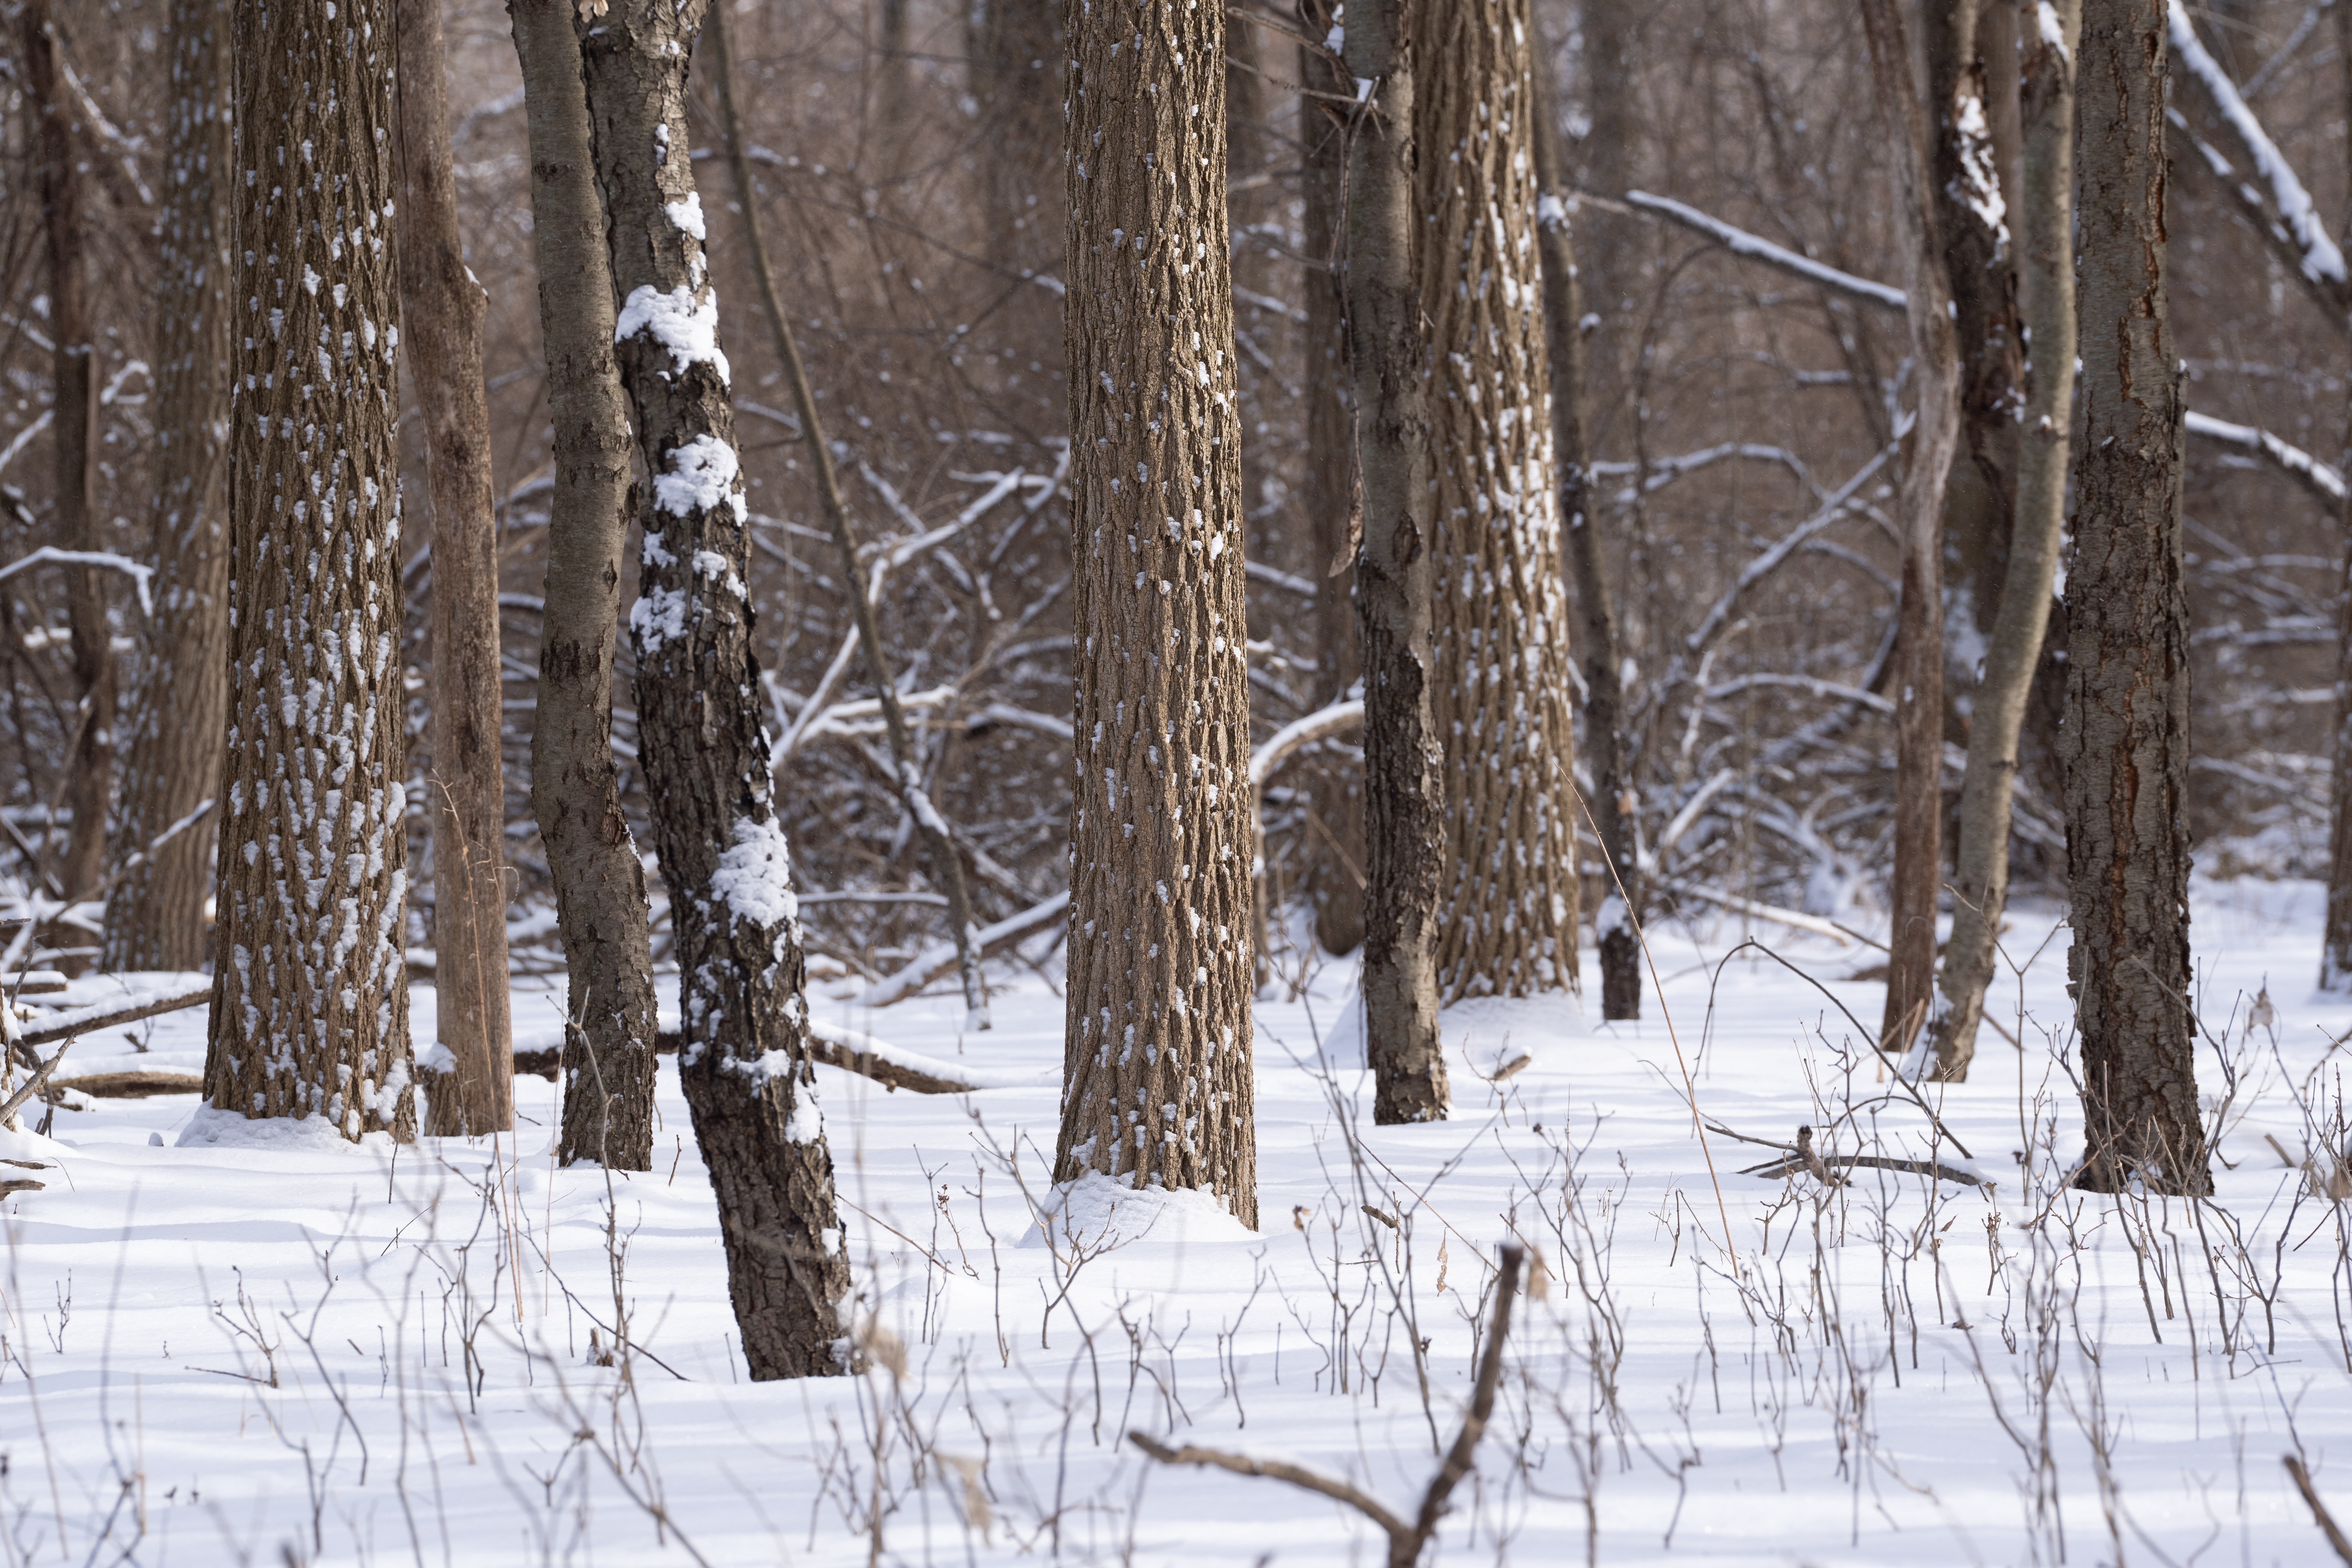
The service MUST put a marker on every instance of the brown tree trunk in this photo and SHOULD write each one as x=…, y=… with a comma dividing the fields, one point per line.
x=2013, y=651
x=2336, y=944
x=1506, y=921
x=599, y=884
x=1014, y=51
x=90, y=773
x=1404, y=776
x=1612, y=163
x=1604, y=689
x=155, y=917
x=441, y=313
x=1919, y=636
x=701, y=721
x=2126, y=733
x=309, y=1015
x=1157, y=1087
x=1326, y=494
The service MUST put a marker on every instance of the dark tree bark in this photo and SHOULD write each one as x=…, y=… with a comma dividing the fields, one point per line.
x=702, y=732
x=442, y=309
x=1404, y=778
x=599, y=884
x=2336, y=945
x=1157, y=1089
x=156, y=916
x=1015, y=52
x=2125, y=741
x=309, y=1014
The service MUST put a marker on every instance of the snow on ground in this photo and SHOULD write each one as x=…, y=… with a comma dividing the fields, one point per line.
x=290, y=1354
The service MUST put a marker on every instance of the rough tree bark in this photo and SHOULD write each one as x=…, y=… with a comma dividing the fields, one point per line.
x=2013, y=651
x=1157, y=1084
x=155, y=917
x=2335, y=944
x=88, y=789
x=1404, y=778
x=442, y=307
x=600, y=884
x=702, y=734
x=1506, y=920
x=309, y=1014
x=1919, y=645
x=1604, y=689
x=2126, y=735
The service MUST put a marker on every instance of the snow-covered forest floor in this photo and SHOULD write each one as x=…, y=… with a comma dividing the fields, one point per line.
x=304, y=1353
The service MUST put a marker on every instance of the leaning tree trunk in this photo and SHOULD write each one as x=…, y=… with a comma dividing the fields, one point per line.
x=1157, y=1086
x=309, y=1014
x=1605, y=689
x=1404, y=778
x=2014, y=652
x=701, y=723
x=1335, y=860
x=2127, y=734
x=156, y=916
x=599, y=884
x=90, y=770
x=1919, y=635
x=442, y=309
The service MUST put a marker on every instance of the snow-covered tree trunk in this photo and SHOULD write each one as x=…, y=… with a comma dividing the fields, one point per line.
x=2045, y=267
x=1404, y=763
x=442, y=306
x=2125, y=740
x=156, y=916
x=701, y=720
x=1508, y=904
x=1157, y=1089
x=599, y=884
x=309, y=1014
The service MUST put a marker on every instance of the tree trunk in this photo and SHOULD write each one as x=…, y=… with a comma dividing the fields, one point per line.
x=1612, y=164
x=1507, y=914
x=155, y=917
x=309, y=1015
x=1604, y=690
x=89, y=774
x=1404, y=779
x=600, y=883
x=2336, y=945
x=1014, y=50
x=701, y=721
x=1157, y=1089
x=442, y=309
x=938, y=844
x=2126, y=733
x=1326, y=494
x=2046, y=284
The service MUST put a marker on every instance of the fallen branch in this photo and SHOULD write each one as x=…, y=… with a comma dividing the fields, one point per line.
x=66, y=1025
x=134, y=1085
x=2318, y=1509
x=987, y=941
x=33, y=1084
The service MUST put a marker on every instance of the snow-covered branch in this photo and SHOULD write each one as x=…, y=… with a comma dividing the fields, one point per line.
x=1739, y=242
x=49, y=554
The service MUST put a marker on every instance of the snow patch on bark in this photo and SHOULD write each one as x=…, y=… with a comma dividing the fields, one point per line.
x=754, y=877
x=688, y=328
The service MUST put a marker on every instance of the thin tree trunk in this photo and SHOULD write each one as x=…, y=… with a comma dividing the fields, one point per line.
x=1612, y=164
x=90, y=773
x=2336, y=945
x=938, y=843
x=309, y=1015
x=1919, y=645
x=2046, y=285
x=1014, y=53
x=1604, y=689
x=1506, y=921
x=893, y=88
x=600, y=883
x=442, y=309
x=701, y=724
x=155, y=917
x=2126, y=733
x=1157, y=1088
x=1404, y=778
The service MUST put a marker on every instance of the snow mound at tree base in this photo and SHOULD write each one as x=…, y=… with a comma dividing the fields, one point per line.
x=1096, y=1213
x=211, y=1128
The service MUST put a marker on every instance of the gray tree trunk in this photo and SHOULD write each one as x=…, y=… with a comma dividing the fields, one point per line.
x=2126, y=735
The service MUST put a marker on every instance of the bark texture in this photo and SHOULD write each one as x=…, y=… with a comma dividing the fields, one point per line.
x=1919, y=635
x=442, y=309
x=600, y=883
x=2125, y=741
x=2336, y=944
x=309, y=1014
x=2013, y=651
x=703, y=740
x=1157, y=1086
x=1404, y=776
x=1508, y=910
x=156, y=916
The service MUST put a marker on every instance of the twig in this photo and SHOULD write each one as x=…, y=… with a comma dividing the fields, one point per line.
x=33, y=1084
x=2318, y=1509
